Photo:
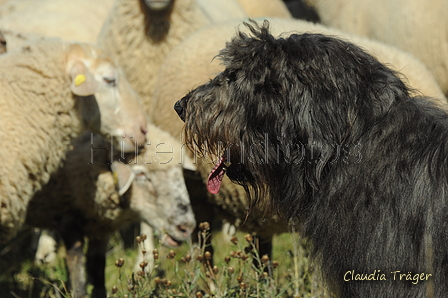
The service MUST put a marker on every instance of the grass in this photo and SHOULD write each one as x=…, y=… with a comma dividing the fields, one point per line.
x=185, y=272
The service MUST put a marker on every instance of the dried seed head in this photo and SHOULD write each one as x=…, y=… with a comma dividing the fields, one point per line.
x=143, y=236
x=234, y=240
x=199, y=294
x=215, y=269
x=186, y=259
x=156, y=256
x=244, y=257
x=114, y=289
x=247, y=249
x=155, y=251
x=208, y=255
x=264, y=259
x=138, y=239
x=200, y=258
x=167, y=283
x=144, y=251
x=275, y=264
x=231, y=270
x=119, y=263
x=233, y=254
x=243, y=285
x=171, y=254
x=204, y=226
x=239, y=278
x=157, y=280
x=227, y=259
x=249, y=238
x=143, y=265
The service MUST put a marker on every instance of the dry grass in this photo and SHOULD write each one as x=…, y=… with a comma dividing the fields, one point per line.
x=186, y=272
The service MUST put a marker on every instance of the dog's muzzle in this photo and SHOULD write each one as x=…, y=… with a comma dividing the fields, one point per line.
x=180, y=106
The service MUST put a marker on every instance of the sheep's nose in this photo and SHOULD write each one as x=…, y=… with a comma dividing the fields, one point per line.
x=179, y=107
x=144, y=131
x=142, y=137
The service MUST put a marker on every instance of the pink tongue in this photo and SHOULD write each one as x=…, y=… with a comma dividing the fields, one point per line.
x=171, y=242
x=215, y=177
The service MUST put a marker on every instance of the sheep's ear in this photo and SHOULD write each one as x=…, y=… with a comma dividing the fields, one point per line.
x=83, y=81
x=123, y=176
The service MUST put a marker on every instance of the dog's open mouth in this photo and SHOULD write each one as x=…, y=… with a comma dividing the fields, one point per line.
x=237, y=173
x=215, y=177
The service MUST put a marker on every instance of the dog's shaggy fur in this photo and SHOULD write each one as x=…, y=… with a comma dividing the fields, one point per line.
x=329, y=136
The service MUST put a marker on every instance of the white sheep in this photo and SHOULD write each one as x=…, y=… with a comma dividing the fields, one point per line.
x=139, y=34
x=225, y=10
x=221, y=10
x=419, y=27
x=97, y=192
x=49, y=92
x=79, y=20
x=265, y=8
x=2, y=43
x=10, y=39
x=192, y=63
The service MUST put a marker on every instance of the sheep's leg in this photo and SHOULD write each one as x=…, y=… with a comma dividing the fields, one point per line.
x=74, y=242
x=96, y=264
x=149, y=246
x=46, y=247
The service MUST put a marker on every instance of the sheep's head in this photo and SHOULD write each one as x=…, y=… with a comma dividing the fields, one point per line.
x=106, y=101
x=159, y=197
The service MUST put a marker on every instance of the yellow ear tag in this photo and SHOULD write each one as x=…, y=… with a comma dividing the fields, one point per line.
x=79, y=79
x=115, y=178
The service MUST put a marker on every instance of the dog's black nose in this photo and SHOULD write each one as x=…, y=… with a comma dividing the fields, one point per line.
x=179, y=110
x=179, y=107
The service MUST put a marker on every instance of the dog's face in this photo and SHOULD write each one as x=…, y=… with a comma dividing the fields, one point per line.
x=282, y=108
x=227, y=150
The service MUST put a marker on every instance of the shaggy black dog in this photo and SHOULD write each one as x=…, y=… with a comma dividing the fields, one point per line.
x=332, y=138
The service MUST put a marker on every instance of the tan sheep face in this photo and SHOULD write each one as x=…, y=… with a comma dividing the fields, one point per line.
x=161, y=198
x=115, y=111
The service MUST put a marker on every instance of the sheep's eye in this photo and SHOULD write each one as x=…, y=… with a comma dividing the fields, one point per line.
x=110, y=81
x=141, y=177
